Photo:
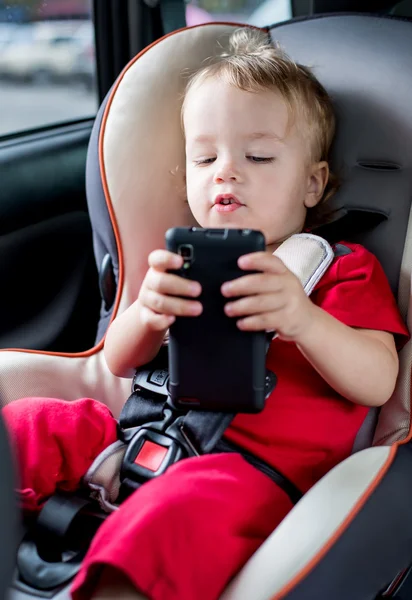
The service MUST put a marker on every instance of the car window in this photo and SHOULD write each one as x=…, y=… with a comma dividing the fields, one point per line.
x=253, y=12
x=47, y=64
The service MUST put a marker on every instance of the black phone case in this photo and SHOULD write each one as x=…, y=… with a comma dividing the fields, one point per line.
x=214, y=365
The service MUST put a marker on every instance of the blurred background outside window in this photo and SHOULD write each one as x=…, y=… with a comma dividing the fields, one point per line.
x=47, y=63
x=47, y=54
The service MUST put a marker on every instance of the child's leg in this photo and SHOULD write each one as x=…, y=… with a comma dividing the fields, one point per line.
x=55, y=442
x=184, y=535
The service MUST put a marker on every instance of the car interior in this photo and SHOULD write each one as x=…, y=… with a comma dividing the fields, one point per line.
x=80, y=214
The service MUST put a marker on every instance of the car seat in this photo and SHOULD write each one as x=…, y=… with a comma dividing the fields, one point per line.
x=350, y=537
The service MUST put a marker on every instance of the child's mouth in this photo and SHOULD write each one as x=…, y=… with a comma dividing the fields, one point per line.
x=226, y=203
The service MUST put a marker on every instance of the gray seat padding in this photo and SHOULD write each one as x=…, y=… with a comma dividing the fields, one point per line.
x=365, y=64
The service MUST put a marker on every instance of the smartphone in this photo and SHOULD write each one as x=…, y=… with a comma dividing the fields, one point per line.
x=213, y=365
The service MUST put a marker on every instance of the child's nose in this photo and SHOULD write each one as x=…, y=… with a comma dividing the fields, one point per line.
x=227, y=171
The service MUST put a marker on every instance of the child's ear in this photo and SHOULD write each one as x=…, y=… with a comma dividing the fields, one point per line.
x=318, y=178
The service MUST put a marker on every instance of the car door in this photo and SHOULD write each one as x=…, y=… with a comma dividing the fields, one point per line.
x=50, y=298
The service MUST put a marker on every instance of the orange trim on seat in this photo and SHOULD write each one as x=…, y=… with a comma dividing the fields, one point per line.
x=353, y=513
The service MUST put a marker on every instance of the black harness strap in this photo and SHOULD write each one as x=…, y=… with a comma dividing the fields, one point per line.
x=149, y=404
x=189, y=434
x=148, y=416
x=143, y=406
x=283, y=482
x=205, y=429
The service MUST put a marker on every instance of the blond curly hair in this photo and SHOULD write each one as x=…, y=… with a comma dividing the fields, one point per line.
x=252, y=63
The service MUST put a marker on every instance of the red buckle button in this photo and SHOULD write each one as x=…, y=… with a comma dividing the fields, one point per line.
x=150, y=456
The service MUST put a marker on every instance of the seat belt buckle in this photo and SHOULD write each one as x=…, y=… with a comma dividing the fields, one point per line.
x=148, y=455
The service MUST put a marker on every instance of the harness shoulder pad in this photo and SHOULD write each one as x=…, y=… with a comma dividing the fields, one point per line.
x=308, y=256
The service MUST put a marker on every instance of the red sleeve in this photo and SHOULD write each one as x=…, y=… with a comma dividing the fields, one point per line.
x=356, y=291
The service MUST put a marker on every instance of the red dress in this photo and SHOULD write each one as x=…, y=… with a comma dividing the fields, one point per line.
x=184, y=535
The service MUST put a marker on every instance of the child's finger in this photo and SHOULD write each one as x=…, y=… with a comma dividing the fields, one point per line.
x=169, y=284
x=262, y=261
x=171, y=305
x=163, y=260
x=157, y=322
x=263, y=322
x=249, y=285
x=255, y=305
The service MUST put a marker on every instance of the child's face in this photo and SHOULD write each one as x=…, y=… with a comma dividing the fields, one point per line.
x=241, y=148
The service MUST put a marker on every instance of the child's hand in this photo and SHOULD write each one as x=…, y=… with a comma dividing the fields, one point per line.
x=272, y=300
x=158, y=296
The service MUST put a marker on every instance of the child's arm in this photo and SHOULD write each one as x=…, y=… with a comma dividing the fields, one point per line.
x=134, y=337
x=362, y=365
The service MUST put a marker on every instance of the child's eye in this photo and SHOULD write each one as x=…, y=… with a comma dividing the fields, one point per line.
x=204, y=161
x=261, y=159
